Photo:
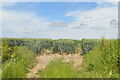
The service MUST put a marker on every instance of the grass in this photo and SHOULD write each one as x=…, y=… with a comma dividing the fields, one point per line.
x=14, y=69
x=18, y=65
x=101, y=63
x=58, y=69
x=93, y=65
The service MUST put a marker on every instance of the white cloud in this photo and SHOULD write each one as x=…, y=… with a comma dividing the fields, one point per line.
x=58, y=24
x=107, y=4
x=7, y=4
x=75, y=34
x=14, y=22
x=97, y=22
x=87, y=24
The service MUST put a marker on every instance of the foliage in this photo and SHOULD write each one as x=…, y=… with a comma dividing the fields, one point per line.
x=6, y=50
x=18, y=65
x=88, y=44
x=38, y=45
x=64, y=46
x=102, y=61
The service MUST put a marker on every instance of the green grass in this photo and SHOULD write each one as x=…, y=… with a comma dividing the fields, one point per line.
x=58, y=69
x=93, y=66
x=17, y=67
x=101, y=63
x=14, y=69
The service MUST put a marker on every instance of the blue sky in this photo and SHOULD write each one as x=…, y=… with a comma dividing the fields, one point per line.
x=68, y=20
x=52, y=10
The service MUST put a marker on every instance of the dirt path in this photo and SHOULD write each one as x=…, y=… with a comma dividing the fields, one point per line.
x=43, y=60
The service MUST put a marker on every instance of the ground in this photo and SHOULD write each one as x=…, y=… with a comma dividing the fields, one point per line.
x=45, y=59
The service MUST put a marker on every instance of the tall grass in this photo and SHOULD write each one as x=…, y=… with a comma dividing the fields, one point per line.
x=102, y=61
x=58, y=69
x=18, y=65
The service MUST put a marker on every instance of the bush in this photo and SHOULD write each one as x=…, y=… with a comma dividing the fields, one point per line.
x=17, y=66
x=6, y=50
x=102, y=60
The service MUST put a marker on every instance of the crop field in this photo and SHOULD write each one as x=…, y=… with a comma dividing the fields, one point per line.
x=49, y=39
x=63, y=58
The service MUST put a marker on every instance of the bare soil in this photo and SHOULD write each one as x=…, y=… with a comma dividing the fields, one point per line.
x=45, y=59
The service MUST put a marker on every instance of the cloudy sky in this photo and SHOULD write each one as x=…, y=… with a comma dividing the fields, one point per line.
x=56, y=20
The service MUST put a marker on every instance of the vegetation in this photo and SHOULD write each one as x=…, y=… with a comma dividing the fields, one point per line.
x=102, y=61
x=64, y=46
x=88, y=44
x=101, y=57
x=58, y=69
x=57, y=46
x=6, y=50
x=17, y=66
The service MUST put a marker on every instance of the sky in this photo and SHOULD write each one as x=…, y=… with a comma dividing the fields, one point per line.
x=59, y=20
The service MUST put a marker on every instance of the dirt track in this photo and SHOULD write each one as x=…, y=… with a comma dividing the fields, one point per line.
x=43, y=60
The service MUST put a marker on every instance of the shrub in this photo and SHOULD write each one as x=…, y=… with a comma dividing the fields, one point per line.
x=102, y=60
x=17, y=66
x=6, y=50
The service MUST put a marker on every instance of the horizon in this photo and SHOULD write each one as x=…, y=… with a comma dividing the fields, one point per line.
x=59, y=20
x=58, y=38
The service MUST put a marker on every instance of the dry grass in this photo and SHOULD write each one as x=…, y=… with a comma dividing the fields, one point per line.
x=45, y=59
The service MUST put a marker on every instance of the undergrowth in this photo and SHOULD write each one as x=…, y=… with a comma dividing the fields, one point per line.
x=17, y=66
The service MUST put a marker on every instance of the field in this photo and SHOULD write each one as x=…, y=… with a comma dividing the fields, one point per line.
x=63, y=58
